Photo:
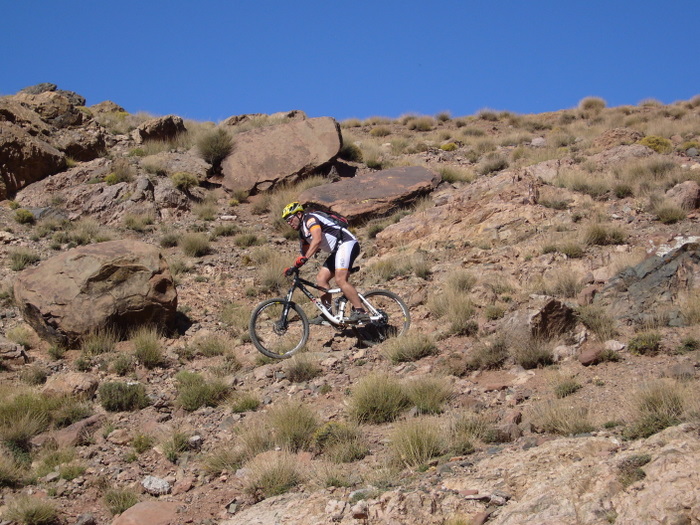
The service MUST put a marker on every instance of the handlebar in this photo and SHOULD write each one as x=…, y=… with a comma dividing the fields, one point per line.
x=291, y=271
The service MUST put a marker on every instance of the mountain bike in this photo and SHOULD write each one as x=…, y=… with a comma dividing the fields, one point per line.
x=279, y=327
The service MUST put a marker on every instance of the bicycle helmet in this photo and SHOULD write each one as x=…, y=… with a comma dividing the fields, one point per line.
x=290, y=209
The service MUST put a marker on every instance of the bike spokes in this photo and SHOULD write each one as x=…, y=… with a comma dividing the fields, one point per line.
x=390, y=317
x=278, y=328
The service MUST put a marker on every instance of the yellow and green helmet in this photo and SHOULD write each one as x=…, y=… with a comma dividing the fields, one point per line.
x=290, y=209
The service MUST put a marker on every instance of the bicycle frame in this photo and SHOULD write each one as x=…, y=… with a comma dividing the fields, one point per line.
x=301, y=284
x=336, y=320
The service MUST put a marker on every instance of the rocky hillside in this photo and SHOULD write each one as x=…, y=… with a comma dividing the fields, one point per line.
x=551, y=264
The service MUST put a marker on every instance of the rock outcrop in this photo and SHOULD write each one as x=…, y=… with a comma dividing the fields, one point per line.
x=156, y=196
x=492, y=210
x=38, y=89
x=24, y=159
x=574, y=480
x=650, y=289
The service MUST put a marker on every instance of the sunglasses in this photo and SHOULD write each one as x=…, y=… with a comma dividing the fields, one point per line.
x=290, y=219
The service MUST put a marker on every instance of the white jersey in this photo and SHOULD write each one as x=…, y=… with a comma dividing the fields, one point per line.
x=332, y=234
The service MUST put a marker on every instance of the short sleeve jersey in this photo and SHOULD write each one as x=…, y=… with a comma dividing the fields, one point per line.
x=331, y=233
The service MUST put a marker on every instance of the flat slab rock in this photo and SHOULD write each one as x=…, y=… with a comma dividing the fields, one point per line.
x=373, y=194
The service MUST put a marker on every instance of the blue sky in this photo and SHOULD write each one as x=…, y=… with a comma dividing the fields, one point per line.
x=210, y=59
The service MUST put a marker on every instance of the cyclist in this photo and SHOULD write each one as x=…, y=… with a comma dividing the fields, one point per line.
x=320, y=234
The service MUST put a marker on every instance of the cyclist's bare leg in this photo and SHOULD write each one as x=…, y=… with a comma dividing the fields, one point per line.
x=323, y=279
x=341, y=279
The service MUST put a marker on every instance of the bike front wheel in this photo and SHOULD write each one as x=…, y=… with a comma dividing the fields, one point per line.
x=278, y=328
x=390, y=314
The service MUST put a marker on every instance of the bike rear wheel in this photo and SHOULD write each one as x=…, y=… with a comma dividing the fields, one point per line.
x=395, y=317
x=275, y=334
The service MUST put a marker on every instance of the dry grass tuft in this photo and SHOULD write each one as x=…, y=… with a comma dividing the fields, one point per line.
x=272, y=473
x=119, y=500
x=457, y=308
x=377, y=398
x=255, y=437
x=99, y=342
x=340, y=442
x=301, y=368
x=224, y=458
x=428, y=393
x=293, y=425
x=690, y=307
x=466, y=430
x=31, y=510
x=598, y=321
x=530, y=351
x=194, y=391
x=603, y=234
x=416, y=441
x=660, y=404
x=560, y=416
x=147, y=346
x=409, y=347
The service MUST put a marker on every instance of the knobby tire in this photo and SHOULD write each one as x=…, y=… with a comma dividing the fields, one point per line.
x=397, y=322
x=270, y=337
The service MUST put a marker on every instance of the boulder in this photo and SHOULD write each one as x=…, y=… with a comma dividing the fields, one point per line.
x=685, y=195
x=544, y=317
x=156, y=486
x=161, y=128
x=70, y=185
x=266, y=157
x=119, y=284
x=551, y=319
x=37, y=89
x=74, y=384
x=156, y=196
x=590, y=355
x=235, y=120
x=11, y=352
x=24, y=159
x=373, y=194
x=149, y=512
x=669, y=492
x=167, y=196
x=639, y=293
x=79, y=433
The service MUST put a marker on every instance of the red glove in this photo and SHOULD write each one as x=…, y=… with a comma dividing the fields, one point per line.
x=289, y=271
x=301, y=261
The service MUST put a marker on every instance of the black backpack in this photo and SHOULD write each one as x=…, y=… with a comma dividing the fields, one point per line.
x=335, y=218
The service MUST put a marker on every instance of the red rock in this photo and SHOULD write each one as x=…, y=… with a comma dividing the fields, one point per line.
x=149, y=513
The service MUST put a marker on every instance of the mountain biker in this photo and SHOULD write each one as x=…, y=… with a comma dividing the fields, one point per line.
x=318, y=233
